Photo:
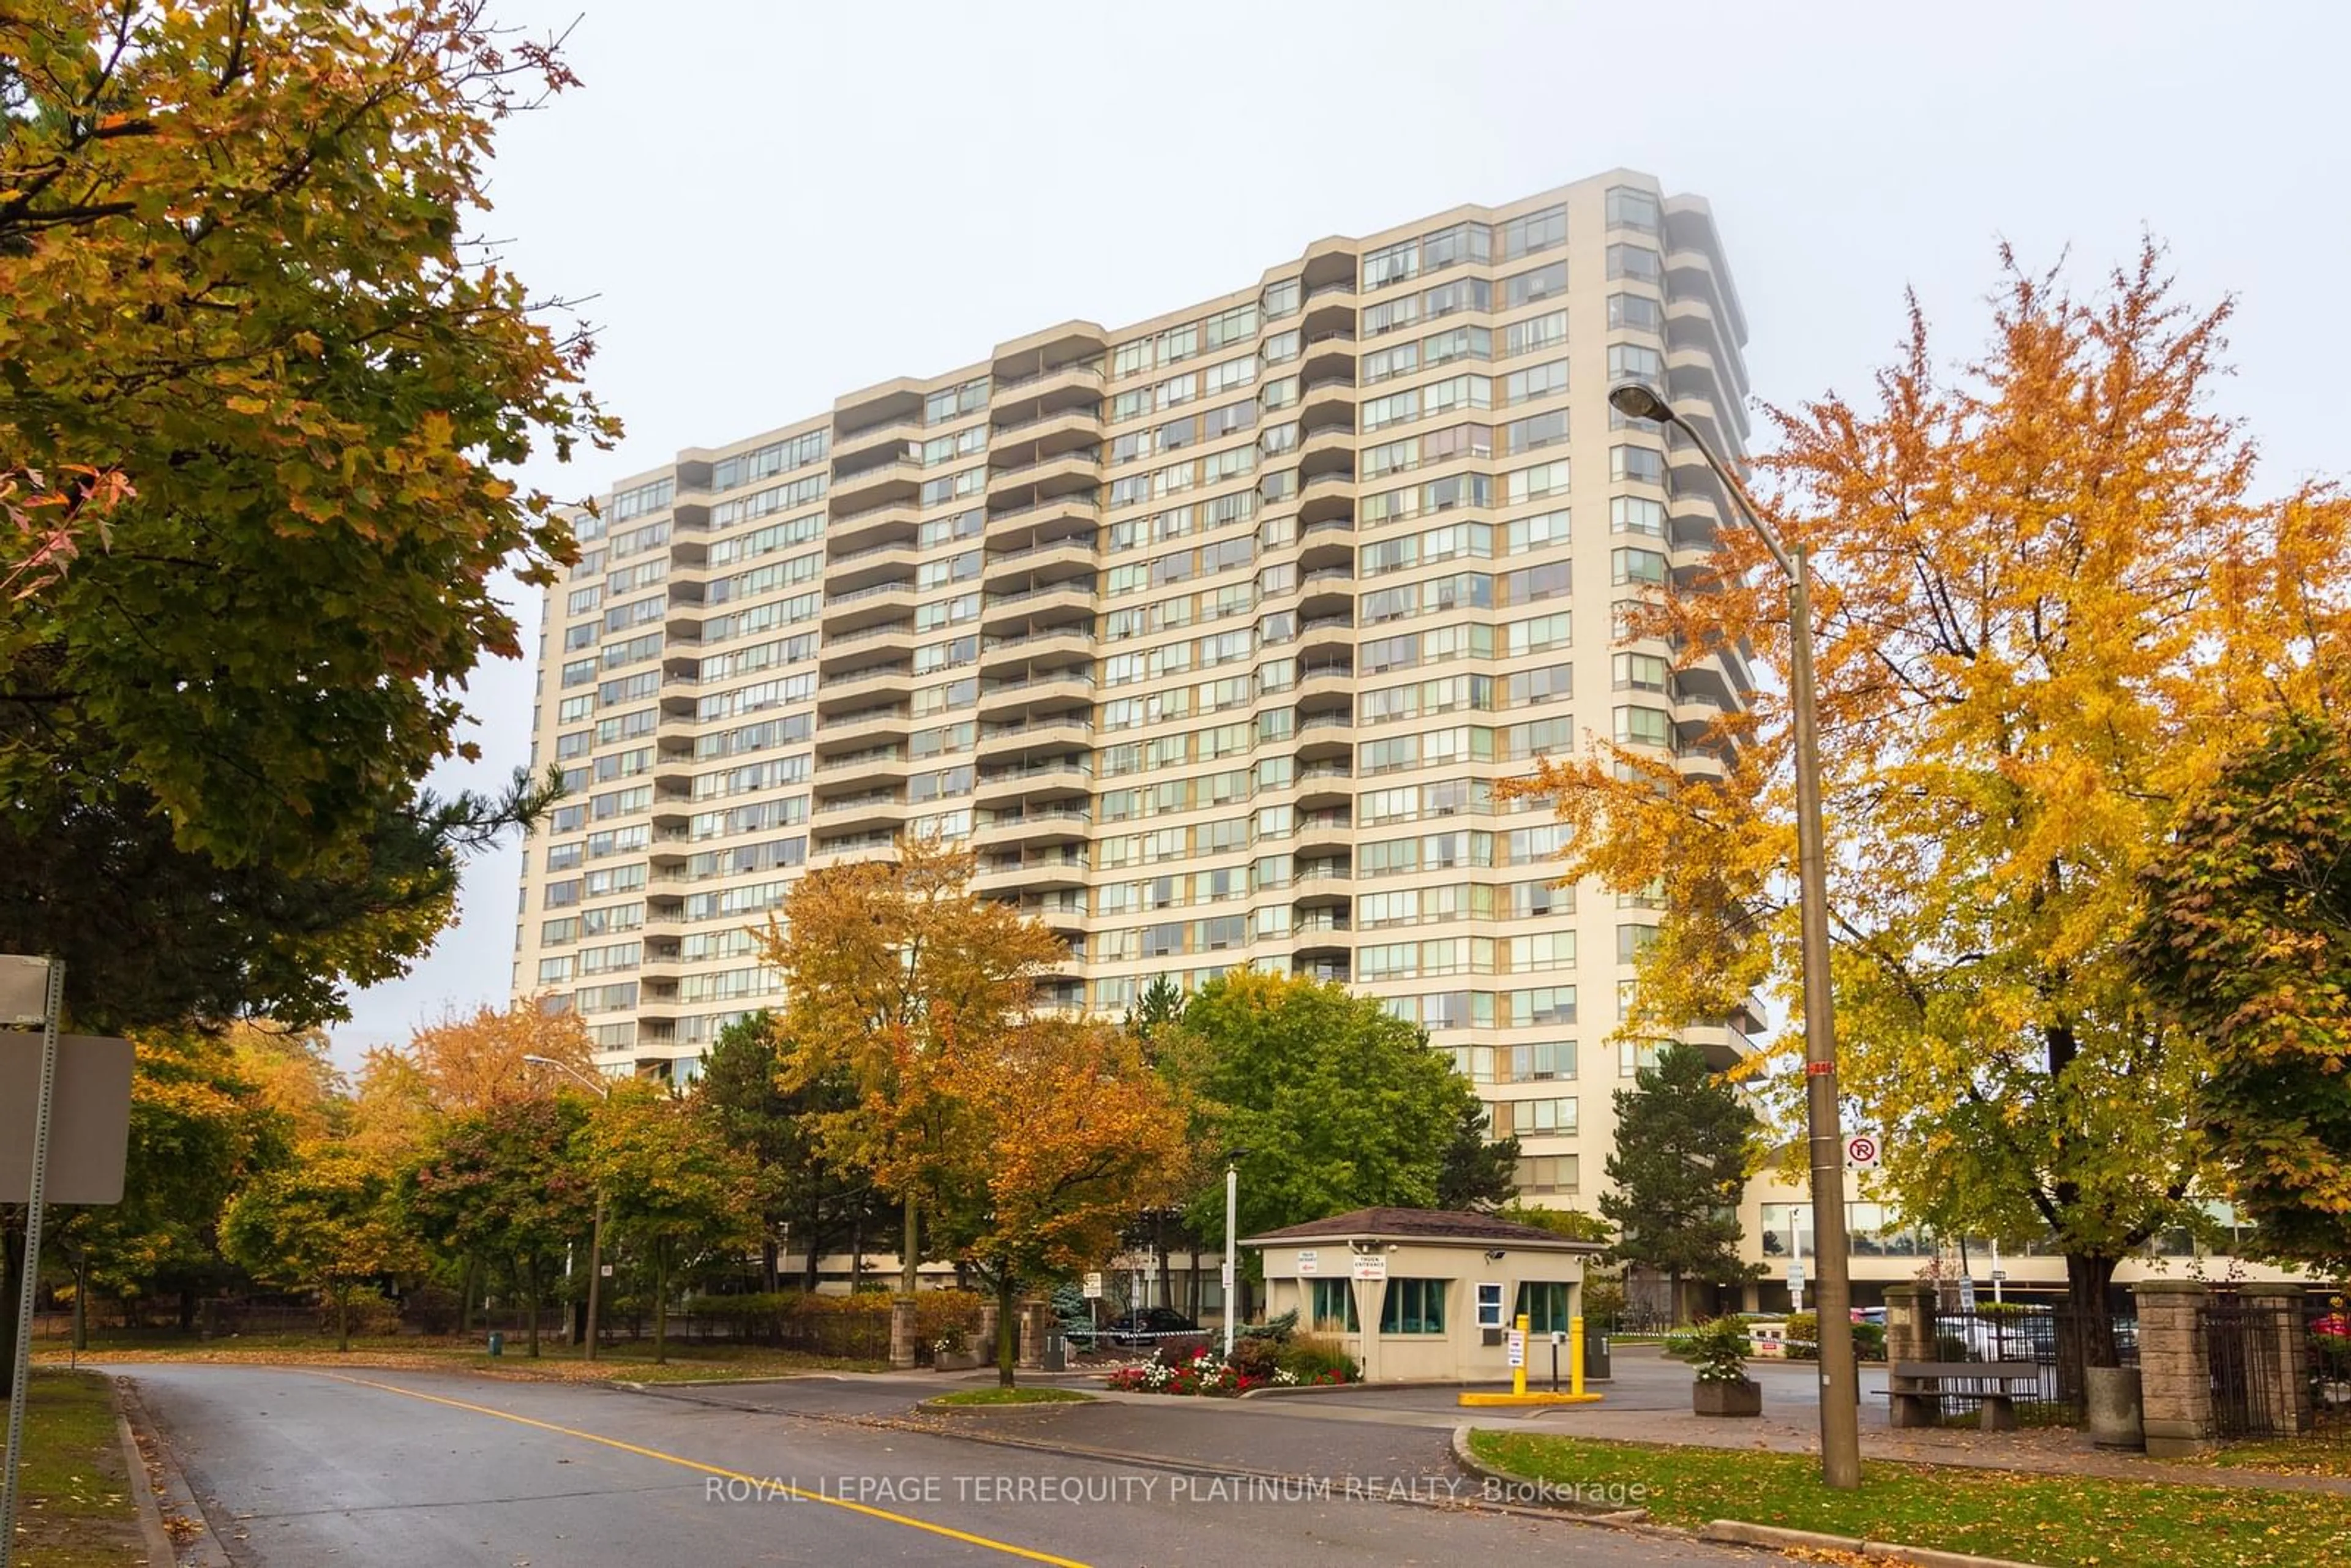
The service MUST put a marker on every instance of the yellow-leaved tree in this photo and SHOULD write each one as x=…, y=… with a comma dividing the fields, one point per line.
x=2047, y=598
x=893, y=971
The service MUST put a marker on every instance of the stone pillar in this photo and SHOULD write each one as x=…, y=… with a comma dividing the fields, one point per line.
x=2175, y=1368
x=1033, y=1318
x=985, y=1339
x=1910, y=1336
x=902, y=1333
x=2289, y=1393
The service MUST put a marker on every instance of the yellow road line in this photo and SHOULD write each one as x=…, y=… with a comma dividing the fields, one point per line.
x=768, y=1486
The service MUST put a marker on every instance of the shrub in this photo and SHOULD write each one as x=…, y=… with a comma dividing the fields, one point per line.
x=1951, y=1347
x=1718, y=1350
x=1603, y=1304
x=1313, y=1360
x=1803, y=1336
x=1255, y=1357
x=1276, y=1330
x=1869, y=1342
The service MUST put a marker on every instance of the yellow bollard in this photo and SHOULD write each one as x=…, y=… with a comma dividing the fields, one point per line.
x=1576, y=1355
x=1519, y=1373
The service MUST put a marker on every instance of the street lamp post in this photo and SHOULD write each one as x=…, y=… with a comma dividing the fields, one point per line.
x=1232, y=1209
x=596, y=1234
x=1833, y=1291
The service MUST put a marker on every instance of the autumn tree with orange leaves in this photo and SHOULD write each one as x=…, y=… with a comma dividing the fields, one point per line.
x=1068, y=1134
x=897, y=973
x=2048, y=600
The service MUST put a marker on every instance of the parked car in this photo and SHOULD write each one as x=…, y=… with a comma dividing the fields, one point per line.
x=1147, y=1327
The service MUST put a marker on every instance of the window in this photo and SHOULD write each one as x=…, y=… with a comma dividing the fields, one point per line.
x=1392, y=264
x=1543, y=1303
x=1536, y=380
x=1628, y=565
x=1400, y=361
x=1632, y=941
x=1636, y=464
x=1330, y=1305
x=1636, y=362
x=1636, y=311
x=1632, y=209
x=1462, y=294
x=1638, y=262
x=1643, y=726
x=1528, y=286
x=1542, y=479
x=1537, y=1063
x=1544, y=530
x=1414, y=1306
x=1535, y=1118
x=1534, y=232
x=1638, y=515
x=1280, y=298
x=1640, y=673
x=1534, y=431
x=1451, y=247
x=1548, y=1174
x=1535, y=332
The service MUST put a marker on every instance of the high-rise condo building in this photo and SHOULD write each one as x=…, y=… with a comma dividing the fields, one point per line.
x=1211, y=633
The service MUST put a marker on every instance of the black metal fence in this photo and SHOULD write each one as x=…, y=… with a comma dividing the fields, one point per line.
x=2253, y=1347
x=2055, y=1338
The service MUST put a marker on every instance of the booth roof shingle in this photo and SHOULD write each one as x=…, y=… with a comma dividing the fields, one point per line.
x=1420, y=1224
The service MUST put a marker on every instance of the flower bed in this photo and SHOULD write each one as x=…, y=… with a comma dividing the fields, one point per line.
x=1206, y=1375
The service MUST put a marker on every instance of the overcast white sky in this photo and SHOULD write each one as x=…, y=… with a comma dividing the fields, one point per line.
x=778, y=203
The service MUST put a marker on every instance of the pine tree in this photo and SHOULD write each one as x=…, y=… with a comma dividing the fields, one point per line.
x=1682, y=1142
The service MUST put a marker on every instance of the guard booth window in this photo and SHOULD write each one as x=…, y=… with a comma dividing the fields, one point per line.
x=1414, y=1306
x=1332, y=1304
x=1543, y=1303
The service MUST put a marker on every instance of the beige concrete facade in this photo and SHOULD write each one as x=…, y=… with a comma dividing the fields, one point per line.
x=1211, y=633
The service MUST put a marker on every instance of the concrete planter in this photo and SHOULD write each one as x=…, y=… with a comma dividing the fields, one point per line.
x=2117, y=1416
x=959, y=1360
x=1744, y=1397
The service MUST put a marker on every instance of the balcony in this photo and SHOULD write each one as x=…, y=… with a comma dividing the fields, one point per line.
x=898, y=479
x=1042, y=868
x=902, y=430
x=1325, y=736
x=1005, y=612
x=1326, y=676
x=859, y=687
x=1324, y=832
x=864, y=723
x=1320, y=931
x=876, y=604
x=842, y=769
x=1065, y=689
x=1044, y=564
x=868, y=811
x=1323, y=784
x=1041, y=437
x=846, y=650
x=1076, y=472
x=1053, y=779
x=1047, y=734
x=890, y=522
x=1036, y=652
x=1324, y=592
x=1034, y=825
x=853, y=847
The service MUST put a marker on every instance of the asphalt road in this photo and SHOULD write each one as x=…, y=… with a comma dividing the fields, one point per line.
x=304, y=1468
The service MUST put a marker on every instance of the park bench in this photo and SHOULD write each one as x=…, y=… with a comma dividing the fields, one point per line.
x=1914, y=1384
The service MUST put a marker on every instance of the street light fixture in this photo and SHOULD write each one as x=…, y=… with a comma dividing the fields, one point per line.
x=1833, y=1291
x=596, y=1235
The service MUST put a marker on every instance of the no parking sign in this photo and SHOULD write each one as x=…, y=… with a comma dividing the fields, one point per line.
x=1861, y=1152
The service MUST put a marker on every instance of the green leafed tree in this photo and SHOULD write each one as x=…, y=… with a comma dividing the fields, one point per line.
x=507, y=1182
x=806, y=1197
x=1685, y=1142
x=673, y=1190
x=1480, y=1170
x=1339, y=1105
x=327, y=1222
x=258, y=392
x=2246, y=941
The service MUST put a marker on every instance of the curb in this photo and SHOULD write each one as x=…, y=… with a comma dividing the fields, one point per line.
x=937, y=1405
x=1735, y=1532
x=158, y=1488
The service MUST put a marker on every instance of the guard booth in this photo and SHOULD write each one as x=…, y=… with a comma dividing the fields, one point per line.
x=1419, y=1295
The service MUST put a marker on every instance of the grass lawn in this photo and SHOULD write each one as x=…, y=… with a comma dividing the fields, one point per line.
x=2293, y=1457
x=77, y=1510
x=2064, y=1522
x=1013, y=1397
x=631, y=1361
